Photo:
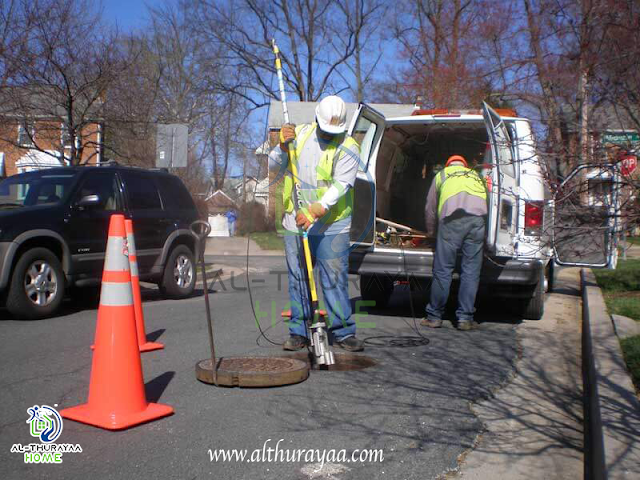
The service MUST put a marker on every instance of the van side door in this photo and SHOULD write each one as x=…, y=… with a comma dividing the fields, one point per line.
x=367, y=127
x=503, y=187
x=586, y=213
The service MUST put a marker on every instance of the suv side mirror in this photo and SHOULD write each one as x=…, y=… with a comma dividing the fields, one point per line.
x=89, y=201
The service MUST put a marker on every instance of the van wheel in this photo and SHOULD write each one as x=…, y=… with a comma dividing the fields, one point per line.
x=533, y=307
x=376, y=288
x=37, y=285
x=179, y=277
x=551, y=274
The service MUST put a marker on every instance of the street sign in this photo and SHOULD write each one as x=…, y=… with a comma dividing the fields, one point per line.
x=172, y=141
x=628, y=164
x=624, y=139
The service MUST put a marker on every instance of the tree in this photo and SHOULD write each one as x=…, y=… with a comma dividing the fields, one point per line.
x=58, y=74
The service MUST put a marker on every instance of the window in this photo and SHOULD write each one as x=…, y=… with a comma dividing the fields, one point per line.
x=174, y=194
x=65, y=138
x=142, y=191
x=104, y=185
x=364, y=134
x=26, y=134
x=34, y=189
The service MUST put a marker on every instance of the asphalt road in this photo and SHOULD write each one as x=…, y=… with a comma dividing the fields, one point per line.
x=414, y=404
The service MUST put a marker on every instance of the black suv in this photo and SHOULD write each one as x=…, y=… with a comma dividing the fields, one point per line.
x=54, y=225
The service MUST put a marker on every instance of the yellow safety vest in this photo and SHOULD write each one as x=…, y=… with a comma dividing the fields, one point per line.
x=457, y=179
x=324, y=171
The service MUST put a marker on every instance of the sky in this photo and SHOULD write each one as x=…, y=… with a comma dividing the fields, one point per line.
x=129, y=14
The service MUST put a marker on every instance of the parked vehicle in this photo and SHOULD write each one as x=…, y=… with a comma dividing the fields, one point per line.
x=54, y=225
x=400, y=158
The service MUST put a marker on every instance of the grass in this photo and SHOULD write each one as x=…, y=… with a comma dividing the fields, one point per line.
x=633, y=240
x=267, y=240
x=621, y=290
x=631, y=352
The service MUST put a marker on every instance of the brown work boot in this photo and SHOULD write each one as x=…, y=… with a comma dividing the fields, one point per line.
x=465, y=326
x=295, y=343
x=431, y=322
x=351, y=344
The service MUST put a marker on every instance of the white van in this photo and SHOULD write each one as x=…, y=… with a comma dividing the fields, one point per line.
x=401, y=156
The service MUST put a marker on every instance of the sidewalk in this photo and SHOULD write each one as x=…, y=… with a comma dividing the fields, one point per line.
x=535, y=423
x=236, y=246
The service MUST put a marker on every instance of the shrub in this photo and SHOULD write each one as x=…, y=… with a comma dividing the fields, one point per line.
x=252, y=217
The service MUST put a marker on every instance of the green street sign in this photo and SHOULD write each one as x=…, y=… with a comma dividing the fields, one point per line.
x=621, y=138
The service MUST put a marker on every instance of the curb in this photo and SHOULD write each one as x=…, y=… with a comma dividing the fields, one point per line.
x=612, y=409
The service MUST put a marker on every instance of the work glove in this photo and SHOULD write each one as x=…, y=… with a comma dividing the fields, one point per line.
x=287, y=135
x=306, y=216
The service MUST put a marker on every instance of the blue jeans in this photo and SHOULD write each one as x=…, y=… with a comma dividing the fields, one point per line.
x=330, y=254
x=466, y=233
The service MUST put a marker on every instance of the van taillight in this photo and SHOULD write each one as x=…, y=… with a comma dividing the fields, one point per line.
x=533, y=217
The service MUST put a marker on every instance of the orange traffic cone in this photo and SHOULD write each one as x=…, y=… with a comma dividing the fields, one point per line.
x=116, y=391
x=144, y=345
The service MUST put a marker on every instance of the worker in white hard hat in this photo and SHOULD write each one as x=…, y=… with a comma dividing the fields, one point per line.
x=327, y=161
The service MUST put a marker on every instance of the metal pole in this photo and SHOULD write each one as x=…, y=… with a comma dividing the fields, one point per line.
x=319, y=341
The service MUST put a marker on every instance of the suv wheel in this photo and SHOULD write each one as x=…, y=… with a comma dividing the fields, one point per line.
x=37, y=285
x=179, y=277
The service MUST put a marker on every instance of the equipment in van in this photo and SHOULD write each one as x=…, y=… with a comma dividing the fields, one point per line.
x=331, y=116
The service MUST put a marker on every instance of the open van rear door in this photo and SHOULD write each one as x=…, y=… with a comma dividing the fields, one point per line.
x=503, y=199
x=586, y=209
x=367, y=127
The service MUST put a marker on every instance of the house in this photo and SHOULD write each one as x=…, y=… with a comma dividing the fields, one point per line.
x=304, y=112
x=34, y=133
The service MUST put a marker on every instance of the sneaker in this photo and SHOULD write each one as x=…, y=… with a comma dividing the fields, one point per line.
x=431, y=322
x=351, y=344
x=295, y=343
x=468, y=325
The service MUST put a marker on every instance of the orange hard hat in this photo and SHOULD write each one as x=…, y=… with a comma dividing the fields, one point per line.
x=456, y=158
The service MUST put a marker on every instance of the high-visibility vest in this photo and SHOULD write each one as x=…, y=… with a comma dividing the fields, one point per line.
x=324, y=171
x=457, y=179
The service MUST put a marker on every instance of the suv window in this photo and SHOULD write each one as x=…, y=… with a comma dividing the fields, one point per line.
x=34, y=189
x=104, y=185
x=142, y=191
x=174, y=194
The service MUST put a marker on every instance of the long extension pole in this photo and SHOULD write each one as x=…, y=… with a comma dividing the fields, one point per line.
x=319, y=341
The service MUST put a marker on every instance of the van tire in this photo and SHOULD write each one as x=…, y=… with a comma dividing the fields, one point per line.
x=376, y=288
x=551, y=274
x=533, y=307
x=176, y=287
x=37, y=304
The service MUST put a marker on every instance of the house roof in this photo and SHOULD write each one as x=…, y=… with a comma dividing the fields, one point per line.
x=45, y=101
x=603, y=117
x=304, y=112
x=219, y=199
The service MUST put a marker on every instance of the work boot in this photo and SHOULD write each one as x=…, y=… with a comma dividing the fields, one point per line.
x=351, y=344
x=295, y=343
x=431, y=322
x=468, y=325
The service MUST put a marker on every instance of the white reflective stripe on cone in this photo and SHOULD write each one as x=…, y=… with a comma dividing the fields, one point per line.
x=116, y=260
x=116, y=294
x=132, y=244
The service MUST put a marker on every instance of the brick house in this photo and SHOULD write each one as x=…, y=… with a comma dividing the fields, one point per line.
x=33, y=135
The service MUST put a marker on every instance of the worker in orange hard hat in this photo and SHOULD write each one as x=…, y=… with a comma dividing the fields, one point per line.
x=457, y=205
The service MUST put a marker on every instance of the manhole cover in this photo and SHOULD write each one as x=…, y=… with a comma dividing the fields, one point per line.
x=396, y=341
x=253, y=371
x=344, y=361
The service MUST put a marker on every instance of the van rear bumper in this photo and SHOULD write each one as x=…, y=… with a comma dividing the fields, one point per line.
x=495, y=271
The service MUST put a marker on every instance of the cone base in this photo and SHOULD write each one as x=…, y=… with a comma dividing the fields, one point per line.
x=84, y=414
x=150, y=346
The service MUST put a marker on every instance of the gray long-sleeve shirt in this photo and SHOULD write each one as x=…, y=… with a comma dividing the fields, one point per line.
x=345, y=169
x=470, y=204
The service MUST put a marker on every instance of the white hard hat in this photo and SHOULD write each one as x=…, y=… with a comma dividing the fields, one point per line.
x=331, y=115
